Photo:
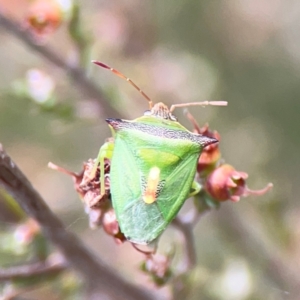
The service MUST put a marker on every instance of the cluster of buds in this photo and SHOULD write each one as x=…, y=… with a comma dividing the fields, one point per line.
x=97, y=203
x=221, y=181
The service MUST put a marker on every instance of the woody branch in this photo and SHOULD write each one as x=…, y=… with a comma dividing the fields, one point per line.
x=82, y=82
x=99, y=277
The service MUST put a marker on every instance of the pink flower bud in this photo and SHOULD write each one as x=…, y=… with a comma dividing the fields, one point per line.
x=44, y=16
x=225, y=183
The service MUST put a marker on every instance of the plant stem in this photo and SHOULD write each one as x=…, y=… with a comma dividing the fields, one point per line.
x=186, y=228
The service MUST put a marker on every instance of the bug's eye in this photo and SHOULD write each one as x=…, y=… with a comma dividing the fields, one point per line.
x=147, y=113
x=173, y=118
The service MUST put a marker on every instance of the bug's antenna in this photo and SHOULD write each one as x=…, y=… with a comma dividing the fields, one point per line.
x=204, y=103
x=192, y=120
x=98, y=63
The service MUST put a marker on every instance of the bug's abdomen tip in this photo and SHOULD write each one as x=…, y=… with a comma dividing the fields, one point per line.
x=206, y=141
x=113, y=122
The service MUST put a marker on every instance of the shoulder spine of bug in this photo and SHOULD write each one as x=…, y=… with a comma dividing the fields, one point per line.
x=153, y=165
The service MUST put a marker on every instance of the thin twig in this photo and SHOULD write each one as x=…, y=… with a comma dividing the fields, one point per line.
x=50, y=266
x=185, y=224
x=82, y=83
x=100, y=278
x=186, y=228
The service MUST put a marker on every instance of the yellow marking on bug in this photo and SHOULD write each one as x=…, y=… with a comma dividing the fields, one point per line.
x=152, y=184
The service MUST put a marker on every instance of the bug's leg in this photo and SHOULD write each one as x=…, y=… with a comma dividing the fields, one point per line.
x=193, y=121
x=146, y=252
x=195, y=188
x=105, y=151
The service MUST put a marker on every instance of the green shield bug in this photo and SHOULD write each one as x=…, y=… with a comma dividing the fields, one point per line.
x=153, y=165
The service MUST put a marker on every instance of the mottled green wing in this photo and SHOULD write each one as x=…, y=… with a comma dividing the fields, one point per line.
x=140, y=222
x=124, y=177
x=137, y=220
x=177, y=187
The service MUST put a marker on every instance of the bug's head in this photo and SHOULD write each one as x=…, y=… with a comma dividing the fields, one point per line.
x=160, y=110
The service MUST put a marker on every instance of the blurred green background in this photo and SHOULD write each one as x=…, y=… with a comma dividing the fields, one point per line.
x=246, y=52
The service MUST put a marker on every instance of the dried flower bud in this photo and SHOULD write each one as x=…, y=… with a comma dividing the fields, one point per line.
x=90, y=183
x=225, y=183
x=111, y=225
x=87, y=185
x=97, y=206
